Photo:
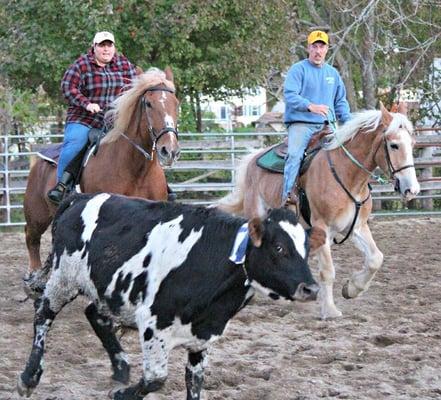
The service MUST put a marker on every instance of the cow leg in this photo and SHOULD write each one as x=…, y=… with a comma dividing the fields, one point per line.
x=194, y=374
x=373, y=260
x=326, y=280
x=45, y=313
x=103, y=327
x=155, y=352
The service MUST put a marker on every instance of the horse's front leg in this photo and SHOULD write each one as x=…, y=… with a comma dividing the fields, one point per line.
x=326, y=281
x=194, y=374
x=373, y=260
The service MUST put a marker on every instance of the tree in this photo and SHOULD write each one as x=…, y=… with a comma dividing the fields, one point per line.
x=214, y=50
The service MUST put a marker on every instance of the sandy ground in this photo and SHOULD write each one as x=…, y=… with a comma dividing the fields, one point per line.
x=386, y=346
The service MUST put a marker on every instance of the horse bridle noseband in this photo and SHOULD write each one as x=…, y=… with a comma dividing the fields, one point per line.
x=153, y=135
x=392, y=171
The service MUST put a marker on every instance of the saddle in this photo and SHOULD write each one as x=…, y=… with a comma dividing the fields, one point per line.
x=51, y=153
x=273, y=160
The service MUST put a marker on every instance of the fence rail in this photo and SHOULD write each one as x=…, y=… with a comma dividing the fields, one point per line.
x=206, y=170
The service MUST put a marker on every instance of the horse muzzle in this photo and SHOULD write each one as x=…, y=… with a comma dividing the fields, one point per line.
x=167, y=156
x=408, y=190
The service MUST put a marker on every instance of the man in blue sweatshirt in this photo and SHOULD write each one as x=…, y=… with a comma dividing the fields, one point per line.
x=314, y=92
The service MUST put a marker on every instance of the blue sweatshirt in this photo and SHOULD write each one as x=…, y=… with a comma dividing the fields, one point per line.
x=305, y=84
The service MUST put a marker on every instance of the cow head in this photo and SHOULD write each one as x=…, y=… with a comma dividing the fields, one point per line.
x=276, y=262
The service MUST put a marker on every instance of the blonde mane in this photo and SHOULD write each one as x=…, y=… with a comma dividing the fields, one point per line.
x=125, y=105
x=367, y=121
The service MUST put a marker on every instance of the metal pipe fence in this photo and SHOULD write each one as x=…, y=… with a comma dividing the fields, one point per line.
x=205, y=172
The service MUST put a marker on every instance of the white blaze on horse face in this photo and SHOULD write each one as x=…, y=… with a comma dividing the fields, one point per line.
x=297, y=234
x=169, y=121
x=90, y=215
x=163, y=98
x=409, y=185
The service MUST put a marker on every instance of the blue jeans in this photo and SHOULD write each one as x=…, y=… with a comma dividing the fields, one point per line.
x=75, y=138
x=299, y=135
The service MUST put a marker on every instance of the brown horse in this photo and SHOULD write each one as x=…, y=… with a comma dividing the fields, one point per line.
x=336, y=185
x=128, y=160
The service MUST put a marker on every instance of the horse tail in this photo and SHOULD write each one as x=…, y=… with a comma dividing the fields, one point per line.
x=233, y=203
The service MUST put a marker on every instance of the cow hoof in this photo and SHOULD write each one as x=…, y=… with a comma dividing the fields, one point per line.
x=121, y=373
x=22, y=389
x=124, y=394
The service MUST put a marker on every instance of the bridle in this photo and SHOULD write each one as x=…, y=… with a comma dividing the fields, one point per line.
x=154, y=136
x=391, y=172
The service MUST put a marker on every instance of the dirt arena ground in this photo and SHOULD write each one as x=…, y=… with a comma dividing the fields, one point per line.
x=386, y=346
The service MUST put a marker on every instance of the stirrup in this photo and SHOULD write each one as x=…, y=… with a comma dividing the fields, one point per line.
x=56, y=194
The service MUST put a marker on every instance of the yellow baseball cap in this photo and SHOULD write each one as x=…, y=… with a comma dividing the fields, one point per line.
x=318, y=36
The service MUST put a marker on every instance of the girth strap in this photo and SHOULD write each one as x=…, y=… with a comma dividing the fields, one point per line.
x=357, y=203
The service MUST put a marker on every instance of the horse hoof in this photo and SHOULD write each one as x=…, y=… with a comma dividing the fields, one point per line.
x=22, y=389
x=345, y=290
x=331, y=314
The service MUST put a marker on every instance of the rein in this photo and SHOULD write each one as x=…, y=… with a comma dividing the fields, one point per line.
x=392, y=171
x=357, y=203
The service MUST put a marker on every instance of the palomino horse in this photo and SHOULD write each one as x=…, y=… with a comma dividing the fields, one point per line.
x=128, y=161
x=336, y=185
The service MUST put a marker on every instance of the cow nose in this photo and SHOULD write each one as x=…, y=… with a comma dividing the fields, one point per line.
x=306, y=292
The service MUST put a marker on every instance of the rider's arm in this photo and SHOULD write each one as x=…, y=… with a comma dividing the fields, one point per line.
x=293, y=88
x=70, y=87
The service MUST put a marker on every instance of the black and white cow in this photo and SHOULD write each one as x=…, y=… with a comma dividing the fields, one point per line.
x=178, y=273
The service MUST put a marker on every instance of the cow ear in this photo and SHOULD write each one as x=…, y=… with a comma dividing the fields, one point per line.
x=317, y=237
x=255, y=230
x=386, y=116
x=169, y=74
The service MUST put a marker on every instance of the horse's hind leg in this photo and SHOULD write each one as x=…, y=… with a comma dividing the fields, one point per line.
x=33, y=234
x=326, y=280
x=103, y=327
x=360, y=280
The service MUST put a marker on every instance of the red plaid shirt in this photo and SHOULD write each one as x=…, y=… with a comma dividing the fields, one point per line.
x=86, y=82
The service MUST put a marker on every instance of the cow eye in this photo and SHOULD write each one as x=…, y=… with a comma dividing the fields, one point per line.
x=280, y=249
x=394, y=146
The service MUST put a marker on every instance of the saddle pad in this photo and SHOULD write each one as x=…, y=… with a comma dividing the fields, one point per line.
x=51, y=153
x=271, y=161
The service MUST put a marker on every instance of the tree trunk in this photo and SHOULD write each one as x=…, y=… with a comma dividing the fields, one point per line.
x=369, y=80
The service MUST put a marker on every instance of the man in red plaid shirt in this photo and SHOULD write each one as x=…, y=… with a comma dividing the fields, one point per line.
x=89, y=85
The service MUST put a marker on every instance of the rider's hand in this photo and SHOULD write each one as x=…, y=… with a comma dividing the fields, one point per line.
x=93, y=108
x=320, y=109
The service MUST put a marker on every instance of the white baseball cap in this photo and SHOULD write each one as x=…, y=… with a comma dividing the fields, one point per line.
x=102, y=36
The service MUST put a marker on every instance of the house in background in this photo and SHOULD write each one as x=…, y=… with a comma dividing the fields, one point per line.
x=237, y=111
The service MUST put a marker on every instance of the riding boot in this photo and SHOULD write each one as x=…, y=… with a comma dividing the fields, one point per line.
x=292, y=199
x=56, y=194
x=171, y=196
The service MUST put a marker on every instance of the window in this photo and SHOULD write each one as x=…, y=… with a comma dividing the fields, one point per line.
x=223, y=112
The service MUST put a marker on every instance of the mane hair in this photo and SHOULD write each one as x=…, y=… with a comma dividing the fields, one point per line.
x=125, y=105
x=367, y=122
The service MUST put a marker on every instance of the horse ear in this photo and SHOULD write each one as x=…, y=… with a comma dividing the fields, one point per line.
x=138, y=71
x=386, y=116
x=169, y=74
x=402, y=108
x=255, y=230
